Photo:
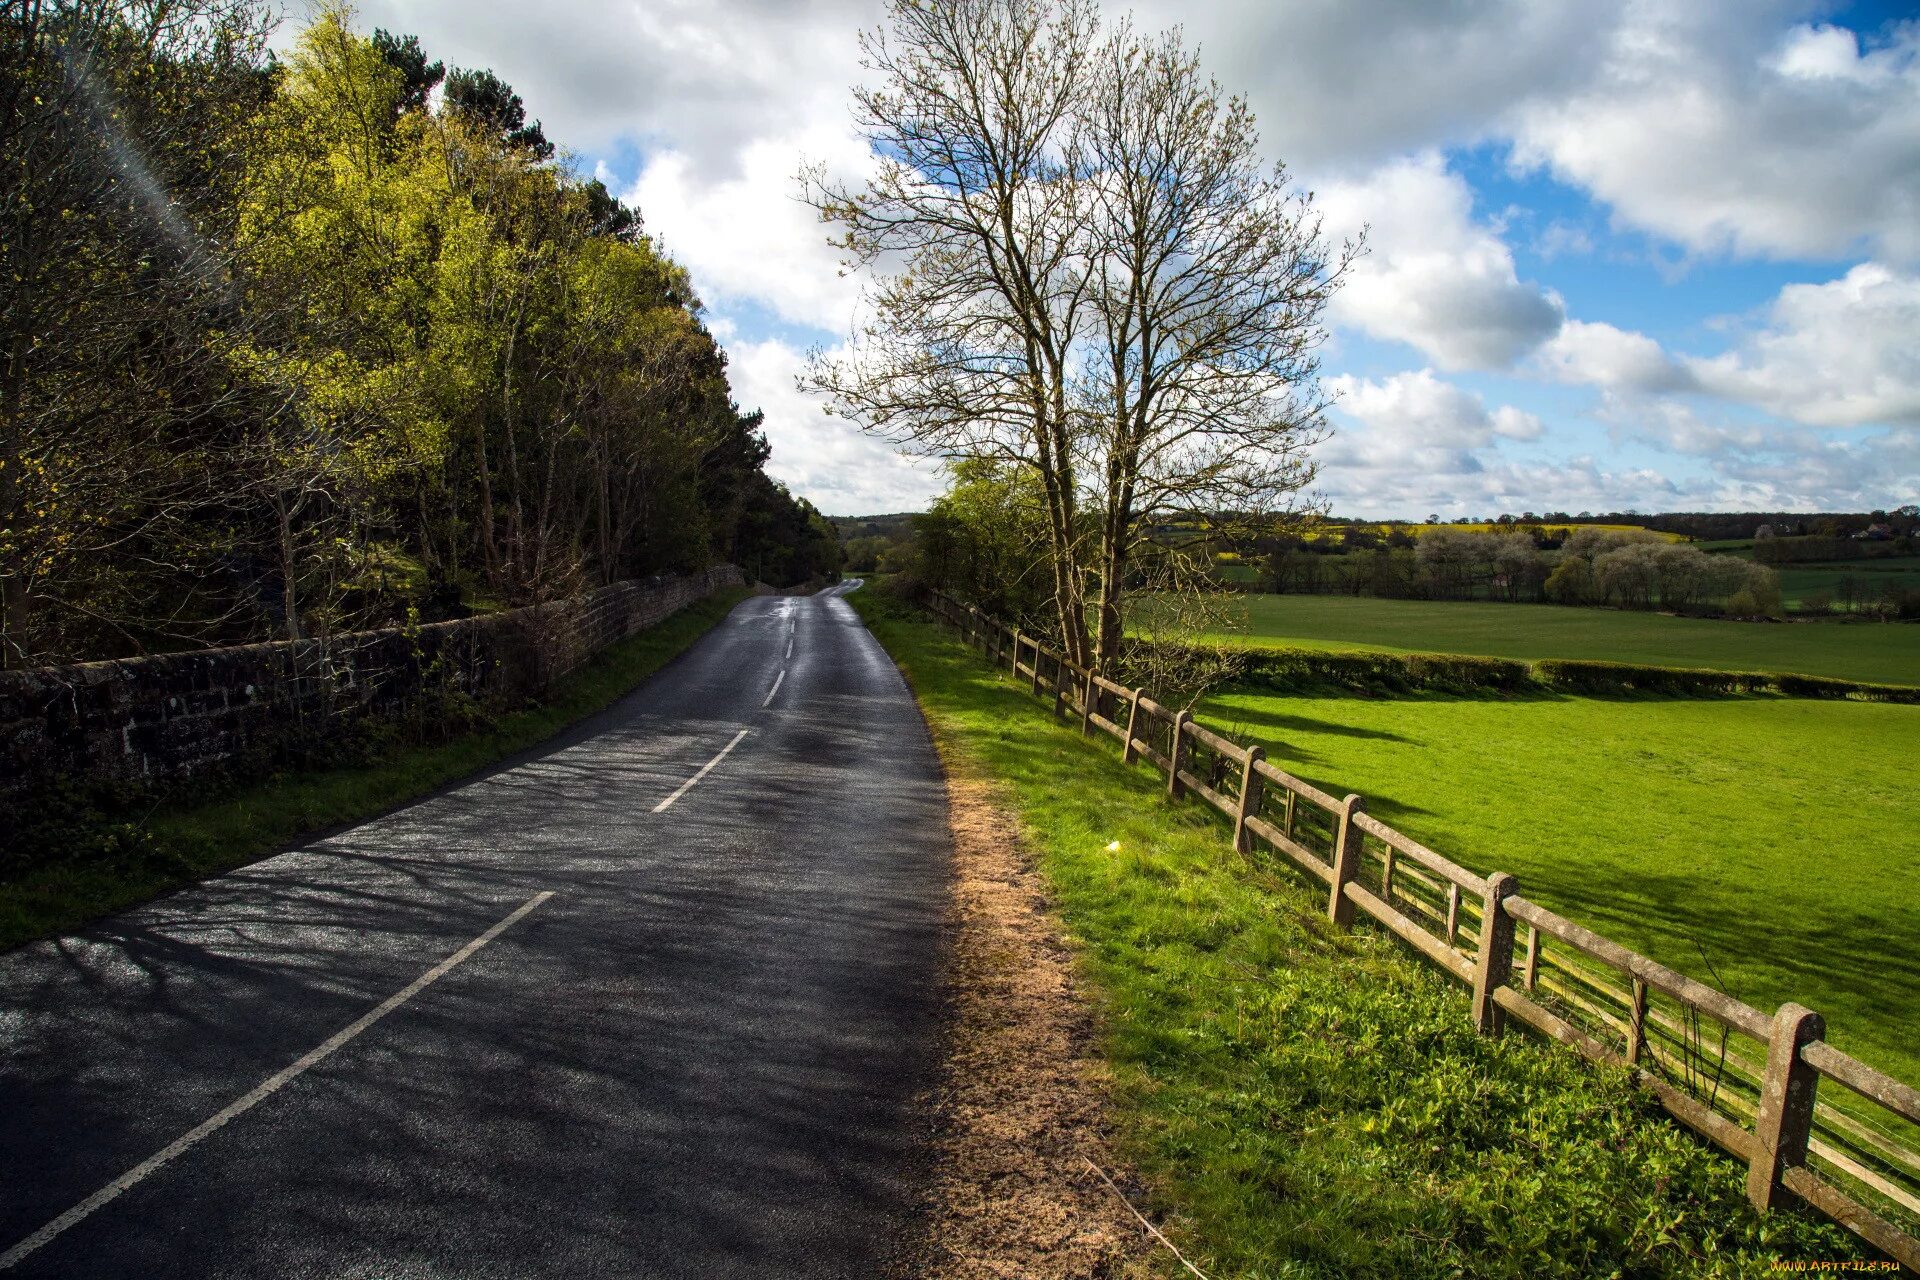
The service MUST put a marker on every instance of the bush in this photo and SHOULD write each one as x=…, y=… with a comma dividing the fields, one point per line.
x=1291, y=669
x=1627, y=677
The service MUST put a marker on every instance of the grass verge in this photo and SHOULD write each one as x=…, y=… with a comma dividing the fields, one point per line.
x=1311, y=1102
x=182, y=841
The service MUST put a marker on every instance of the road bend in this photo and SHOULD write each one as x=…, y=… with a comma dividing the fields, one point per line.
x=654, y=999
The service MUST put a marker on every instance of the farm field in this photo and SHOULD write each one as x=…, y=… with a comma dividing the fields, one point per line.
x=1768, y=845
x=1799, y=581
x=1883, y=652
x=1870, y=577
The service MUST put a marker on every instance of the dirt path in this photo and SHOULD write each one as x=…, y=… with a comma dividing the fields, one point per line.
x=1022, y=1104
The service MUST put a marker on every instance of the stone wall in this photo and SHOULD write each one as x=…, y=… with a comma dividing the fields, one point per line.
x=162, y=719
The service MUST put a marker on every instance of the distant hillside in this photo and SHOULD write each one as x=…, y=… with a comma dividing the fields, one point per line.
x=897, y=525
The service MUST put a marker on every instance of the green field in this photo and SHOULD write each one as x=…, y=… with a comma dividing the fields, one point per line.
x=1309, y=1102
x=1872, y=574
x=1879, y=652
x=1773, y=841
x=1871, y=577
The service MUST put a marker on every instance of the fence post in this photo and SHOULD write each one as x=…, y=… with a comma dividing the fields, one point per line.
x=1062, y=674
x=1014, y=666
x=1087, y=704
x=1035, y=690
x=1494, y=965
x=1249, y=798
x=1346, y=860
x=1175, y=788
x=1785, y=1119
x=1127, y=753
x=1637, y=1024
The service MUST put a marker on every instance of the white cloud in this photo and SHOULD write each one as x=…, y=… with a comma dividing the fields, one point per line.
x=1822, y=473
x=1702, y=124
x=1841, y=354
x=1434, y=278
x=1341, y=86
x=745, y=235
x=830, y=462
x=1605, y=356
x=1844, y=353
x=707, y=77
x=1419, y=423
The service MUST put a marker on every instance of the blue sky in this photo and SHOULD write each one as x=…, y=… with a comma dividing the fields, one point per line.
x=1650, y=254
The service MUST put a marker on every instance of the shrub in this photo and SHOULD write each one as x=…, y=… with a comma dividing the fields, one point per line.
x=1290, y=669
x=1627, y=677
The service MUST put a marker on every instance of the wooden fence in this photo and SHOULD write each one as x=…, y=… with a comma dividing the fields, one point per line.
x=1748, y=1082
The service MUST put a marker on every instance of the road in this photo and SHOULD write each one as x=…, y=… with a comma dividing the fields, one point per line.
x=655, y=999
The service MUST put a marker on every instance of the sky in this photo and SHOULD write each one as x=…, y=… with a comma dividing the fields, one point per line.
x=1646, y=255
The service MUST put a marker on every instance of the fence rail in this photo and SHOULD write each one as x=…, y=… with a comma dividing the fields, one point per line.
x=1742, y=1079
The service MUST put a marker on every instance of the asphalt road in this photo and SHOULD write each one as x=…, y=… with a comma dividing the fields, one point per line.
x=697, y=1056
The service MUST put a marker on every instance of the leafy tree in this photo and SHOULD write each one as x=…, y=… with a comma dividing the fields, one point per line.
x=490, y=102
x=284, y=353
x=418, y=77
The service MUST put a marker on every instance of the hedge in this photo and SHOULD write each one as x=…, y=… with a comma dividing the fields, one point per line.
x=1300, y=670
x=1291, y=669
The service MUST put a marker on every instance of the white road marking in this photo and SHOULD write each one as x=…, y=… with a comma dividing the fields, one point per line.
x=789, y=646
x=706, y=768
x=767, y=701
x=266, y=1088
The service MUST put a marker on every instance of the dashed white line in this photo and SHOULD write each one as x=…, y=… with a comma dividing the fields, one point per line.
x=266, y=1088
x=705, y=769
x=789, y=646
x=768, y=700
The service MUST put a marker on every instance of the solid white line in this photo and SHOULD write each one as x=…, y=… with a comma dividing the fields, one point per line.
x=768, y=700
x=261, y=1091
x=705, y=769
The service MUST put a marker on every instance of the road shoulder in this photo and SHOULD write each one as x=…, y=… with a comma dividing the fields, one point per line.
x=1022, y=1106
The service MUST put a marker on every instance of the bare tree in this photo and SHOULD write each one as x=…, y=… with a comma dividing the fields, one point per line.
x=1209, y=279
x=1080, y=265
x=973, y=227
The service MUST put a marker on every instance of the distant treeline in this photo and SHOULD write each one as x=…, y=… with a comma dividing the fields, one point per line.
x=1632, y=569
x=1701, y=526
x=293, y=346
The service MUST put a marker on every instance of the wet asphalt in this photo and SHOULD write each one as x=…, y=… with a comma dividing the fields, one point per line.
x=699, y=1056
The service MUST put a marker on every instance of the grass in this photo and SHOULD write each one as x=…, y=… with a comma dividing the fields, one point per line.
x=1870, y=577
x=1311, y=1102
x=184, y=842
x=1874, y=652
x=1774, y=842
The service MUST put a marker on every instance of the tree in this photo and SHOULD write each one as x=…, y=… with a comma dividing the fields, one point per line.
x=116, y=313
x=1078, y=267
x=490, y=102
x=971, y=226
x=284, y=353
x=1208, y=279
x=418, y=77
